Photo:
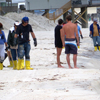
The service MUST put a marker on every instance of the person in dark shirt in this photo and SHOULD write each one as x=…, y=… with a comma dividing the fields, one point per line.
x=12, y=48
x=58, y=42
x=22, y=33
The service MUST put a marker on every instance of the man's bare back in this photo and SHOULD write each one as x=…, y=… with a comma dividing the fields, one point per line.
x=70, y=29
x=69, y=43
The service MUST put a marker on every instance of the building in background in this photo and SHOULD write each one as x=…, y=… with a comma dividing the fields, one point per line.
x=7, y=6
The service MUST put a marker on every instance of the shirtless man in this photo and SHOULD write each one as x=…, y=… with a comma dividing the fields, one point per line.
x=70, y=42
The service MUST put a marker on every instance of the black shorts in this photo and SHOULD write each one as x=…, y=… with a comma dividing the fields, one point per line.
x=58, y=44
x=70, y=46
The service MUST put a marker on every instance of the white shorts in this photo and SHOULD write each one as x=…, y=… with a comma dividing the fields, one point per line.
x=2, y=53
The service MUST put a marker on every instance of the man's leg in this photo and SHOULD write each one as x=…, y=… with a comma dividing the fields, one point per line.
x=68, y=60
x=13, y=53
x=20, y=64
x=27, y=56
x=58, y=57
x=2, y=55
x=98, y=40
x=14, y=57
x=75, y=60
x=94, y=42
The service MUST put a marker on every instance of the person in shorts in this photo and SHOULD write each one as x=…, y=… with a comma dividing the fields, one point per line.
x=58, y=42
x=70, y=42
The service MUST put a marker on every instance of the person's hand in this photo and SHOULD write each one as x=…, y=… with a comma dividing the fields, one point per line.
x=8, y=47
x=77, y=43
x=35, y=42
x=81, y=36
x=99, y=33
x=15, y=41
x=90, y=35
x=63, y=45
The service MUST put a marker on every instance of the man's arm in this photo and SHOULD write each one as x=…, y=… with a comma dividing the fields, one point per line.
x=33, y=35
x=9, y=37
x=90, y=32
x=34, y=38
x=62, y=34
x=90, y=35
x=76, y=31
x=6, y=44
x=81, y=34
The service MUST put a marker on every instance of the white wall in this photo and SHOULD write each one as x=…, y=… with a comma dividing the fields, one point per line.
x=90, y=10
x=44, y=4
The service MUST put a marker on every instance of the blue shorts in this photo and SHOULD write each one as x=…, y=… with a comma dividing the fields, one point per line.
x=70, y=46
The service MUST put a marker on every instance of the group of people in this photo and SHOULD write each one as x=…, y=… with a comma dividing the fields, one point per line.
x=17, y=45
x=68, y=36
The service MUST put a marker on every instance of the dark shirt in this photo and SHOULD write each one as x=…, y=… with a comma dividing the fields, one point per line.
x=23, y=33
x=10, y=40
x=58, y=42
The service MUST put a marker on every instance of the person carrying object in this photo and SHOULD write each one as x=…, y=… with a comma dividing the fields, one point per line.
x=2, y=48
x=94, y=34
x=13, y=47
x=79, y=32
x=22, y=33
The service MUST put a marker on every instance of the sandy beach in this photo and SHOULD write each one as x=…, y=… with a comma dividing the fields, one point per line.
x=46, y=81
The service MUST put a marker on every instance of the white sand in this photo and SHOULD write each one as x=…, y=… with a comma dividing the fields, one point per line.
x=46, y=81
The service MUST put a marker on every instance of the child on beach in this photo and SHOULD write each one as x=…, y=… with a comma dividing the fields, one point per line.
x=2, y=49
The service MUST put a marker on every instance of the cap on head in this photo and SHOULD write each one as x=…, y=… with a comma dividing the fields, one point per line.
x=95, y=20
x=1, y=26
x=25, y=19
x=16, y=23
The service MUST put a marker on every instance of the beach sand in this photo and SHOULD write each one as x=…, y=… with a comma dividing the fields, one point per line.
x=46, y=81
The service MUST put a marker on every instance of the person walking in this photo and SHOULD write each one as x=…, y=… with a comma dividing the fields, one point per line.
x=22, y=33
x=13, y=47
x=79, y=33
x=2, y=49
x=58, y=42
x=94, y=34
x=70, y=42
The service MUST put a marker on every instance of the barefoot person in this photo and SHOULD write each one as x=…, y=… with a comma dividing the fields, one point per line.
x=70, y=42
x=58, y=42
